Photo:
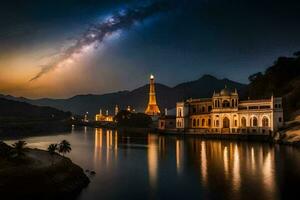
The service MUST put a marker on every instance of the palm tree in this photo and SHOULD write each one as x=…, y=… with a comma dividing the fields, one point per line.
x=52, y=148
x=64, y=147
x=19, y=148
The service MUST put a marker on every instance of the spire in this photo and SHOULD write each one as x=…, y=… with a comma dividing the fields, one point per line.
x=116, y=109
x=152, y=108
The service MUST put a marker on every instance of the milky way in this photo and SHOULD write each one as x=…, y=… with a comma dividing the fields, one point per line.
x=96, y=33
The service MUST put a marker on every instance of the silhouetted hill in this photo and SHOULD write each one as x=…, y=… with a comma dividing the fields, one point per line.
x=20, y=111
x=281, y=79
x=138, y=98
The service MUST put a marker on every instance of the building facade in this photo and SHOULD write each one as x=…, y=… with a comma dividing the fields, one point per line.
x=167, y=123
x=225, y=113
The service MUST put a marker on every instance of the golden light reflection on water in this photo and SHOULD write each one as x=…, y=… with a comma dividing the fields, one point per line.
x=236, y=179
x=179, y=155
x=225, y=158
x=152, y=159
x=110, y=144
x=234, y=168
x=203, y=163
x=234, y=164
x=268, y=173
x=252, y=160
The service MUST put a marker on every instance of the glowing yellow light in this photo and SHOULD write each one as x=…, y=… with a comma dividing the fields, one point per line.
x=151, y=76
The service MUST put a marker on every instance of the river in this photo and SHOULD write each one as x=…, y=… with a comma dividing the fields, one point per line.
x=151, y=166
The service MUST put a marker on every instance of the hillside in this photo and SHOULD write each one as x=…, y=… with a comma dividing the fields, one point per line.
x=138, y=98
x=281, y=79
x=15, y=111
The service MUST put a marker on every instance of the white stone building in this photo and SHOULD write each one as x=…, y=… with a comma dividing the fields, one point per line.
x=225, y=113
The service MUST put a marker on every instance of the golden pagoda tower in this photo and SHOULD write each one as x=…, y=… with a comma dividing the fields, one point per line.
x=152, y=108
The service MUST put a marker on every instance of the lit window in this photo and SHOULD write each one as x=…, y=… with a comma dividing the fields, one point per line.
x=243, y=122
x=265, y=122
x=254, y=121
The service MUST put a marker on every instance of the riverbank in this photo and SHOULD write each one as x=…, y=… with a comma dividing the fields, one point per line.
x=38, y=175
x=33, y=128
x=290, y=134
x=237, y=137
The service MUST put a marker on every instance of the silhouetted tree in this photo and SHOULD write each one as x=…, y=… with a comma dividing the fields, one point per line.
x=64, y=147
x=19, y=148
x=126, y=118
x=52, y=148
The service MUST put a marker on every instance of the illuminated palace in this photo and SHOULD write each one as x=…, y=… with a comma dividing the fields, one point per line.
x=106, y=117
x=152, y=108
x=100, y=117
x=225, y=113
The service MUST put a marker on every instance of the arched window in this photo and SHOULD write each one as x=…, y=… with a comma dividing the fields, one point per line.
x=236, y=103
x=218, y=103
x=209, y=122
x=226, y=104
x=194, y=109
x=179, y=112
x=226, y=122
x=209, y=108
x=254, y=121
x=198, y=122
x=232, y=103
x=265, y=122
x=217, y=123
x=203, y=109
x=243, y=122
x=203, y=122
x=235, y=123
x=194, y=122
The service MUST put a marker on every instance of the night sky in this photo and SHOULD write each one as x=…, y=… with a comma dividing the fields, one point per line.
x=60, y=48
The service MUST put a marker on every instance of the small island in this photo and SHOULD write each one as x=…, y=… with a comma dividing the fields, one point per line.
x=37, y=174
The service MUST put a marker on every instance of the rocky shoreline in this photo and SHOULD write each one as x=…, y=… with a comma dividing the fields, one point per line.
x=38, y=175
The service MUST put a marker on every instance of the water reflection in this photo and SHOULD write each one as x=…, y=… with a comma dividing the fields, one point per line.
x=222, y=164
x=109, y=147
x=152, y=159
x=158, y=166
x=179, y=155
x=203, y=163
x=236, y=169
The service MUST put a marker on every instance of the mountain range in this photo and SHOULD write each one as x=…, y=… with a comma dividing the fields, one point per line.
x=138, y=98
x=15, y=111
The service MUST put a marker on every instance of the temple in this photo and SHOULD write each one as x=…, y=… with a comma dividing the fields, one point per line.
x=152, y=108
x=225, y=113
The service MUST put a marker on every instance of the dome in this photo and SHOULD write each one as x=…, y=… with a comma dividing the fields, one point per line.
x=225, y=92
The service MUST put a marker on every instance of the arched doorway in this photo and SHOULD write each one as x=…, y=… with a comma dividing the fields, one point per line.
x=226, y=122
x=265, y=122
x=243, y=122
x=226, y=104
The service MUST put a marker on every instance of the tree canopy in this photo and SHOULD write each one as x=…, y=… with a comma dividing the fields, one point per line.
x=126, y=118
